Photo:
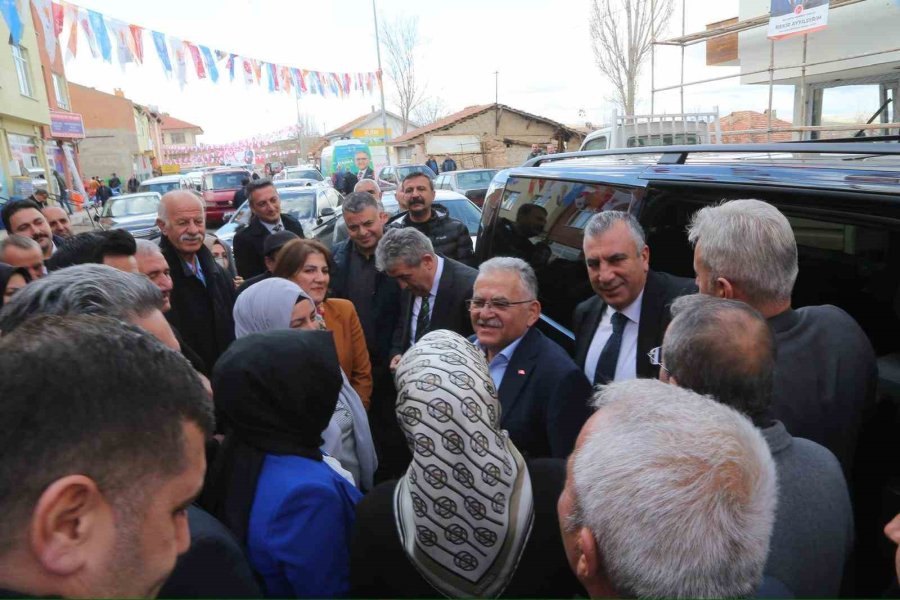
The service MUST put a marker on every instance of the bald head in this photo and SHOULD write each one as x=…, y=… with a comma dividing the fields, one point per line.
x=722, y=348
x=58, y=221
x=182, y=220
x=369, y=186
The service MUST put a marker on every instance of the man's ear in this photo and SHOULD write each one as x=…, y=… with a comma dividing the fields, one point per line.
x=590, y=570
x=723, y=289
x=67, y=523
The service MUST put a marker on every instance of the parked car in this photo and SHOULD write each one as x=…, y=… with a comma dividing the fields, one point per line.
x=300, y=173
x=135, y=213
x=218, y=190
x=164, y=184
x=395, y=173
x=38, y=179
x=460, y=208
x=288, y=183
x=472, y=183
x=196, y=179
x=314, y=207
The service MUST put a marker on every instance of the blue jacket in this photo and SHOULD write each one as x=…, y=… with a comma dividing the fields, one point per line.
x=544, y=398
x=300, y=526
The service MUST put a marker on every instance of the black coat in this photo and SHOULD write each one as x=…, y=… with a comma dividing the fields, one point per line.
x=660, y=291
x=201, y=313
x=379, y=567
x=449, y=310
x=248, y=245
x=545, y=398
x=450, y=237
x=385, y=301
x=214, y=566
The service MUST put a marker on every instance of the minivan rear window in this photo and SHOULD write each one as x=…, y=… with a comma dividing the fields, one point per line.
x=224, y=181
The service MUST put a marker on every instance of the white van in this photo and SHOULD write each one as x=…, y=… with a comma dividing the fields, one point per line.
x=637, y=131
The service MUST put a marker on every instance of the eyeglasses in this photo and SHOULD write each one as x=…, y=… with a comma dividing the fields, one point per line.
x=656, y=359
x=497, y=305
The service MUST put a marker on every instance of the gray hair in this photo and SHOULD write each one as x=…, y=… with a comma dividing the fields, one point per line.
x=83, y=289
x=21, y=242
x=407, y=245
x=359, y=201
x=510, y=264
x=724, y=349
x=749, y=243
x=679, y=492
x=162, y=210
x=147, y=248
x=603, y=221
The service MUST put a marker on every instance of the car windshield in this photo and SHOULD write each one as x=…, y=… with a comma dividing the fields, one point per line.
x=304, y=174
x=160, y=188
x=224, y=181
x=286, y=183
x=402, y=172
x=475, y=179
x=127, y=206
x=464, y=211
x=299, y=204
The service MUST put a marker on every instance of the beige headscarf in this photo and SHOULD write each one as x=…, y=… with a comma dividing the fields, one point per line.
x=464, y=508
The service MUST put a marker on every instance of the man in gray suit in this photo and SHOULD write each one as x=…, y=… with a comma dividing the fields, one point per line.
x=435, y=288
x=725, y=349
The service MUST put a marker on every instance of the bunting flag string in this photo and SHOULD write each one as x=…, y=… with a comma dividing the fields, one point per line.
x=107, y=36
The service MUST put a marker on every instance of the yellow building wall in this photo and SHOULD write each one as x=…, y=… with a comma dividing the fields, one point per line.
x=20, y=114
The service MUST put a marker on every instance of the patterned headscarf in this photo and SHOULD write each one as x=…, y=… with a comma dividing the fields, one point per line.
x=464, y=508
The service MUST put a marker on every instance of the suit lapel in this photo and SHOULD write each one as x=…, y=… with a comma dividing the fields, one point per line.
x=406, y=310
x=443, y=303
x=648, y=330
x=588, y=329
x=519, y=370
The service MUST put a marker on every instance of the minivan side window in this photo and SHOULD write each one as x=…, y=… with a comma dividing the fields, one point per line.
x=554, y=251
x=596, y=144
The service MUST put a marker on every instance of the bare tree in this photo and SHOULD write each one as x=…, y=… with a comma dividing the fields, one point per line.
x=400, y=41
x=622, y=36
x=430, y=110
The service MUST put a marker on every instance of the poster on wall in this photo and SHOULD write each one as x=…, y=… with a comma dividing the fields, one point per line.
x=788, y=18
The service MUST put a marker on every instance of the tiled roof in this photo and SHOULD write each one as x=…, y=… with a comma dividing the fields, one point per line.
x=346, y=128
x=468, y=113
x=170, y=122
x=750, y=119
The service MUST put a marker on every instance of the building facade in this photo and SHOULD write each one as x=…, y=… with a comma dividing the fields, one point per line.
x=111, y=143
x=487, y=135
x=24, y=112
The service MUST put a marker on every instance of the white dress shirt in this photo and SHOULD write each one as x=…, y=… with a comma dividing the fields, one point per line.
x=271, y=226
x=626, y=367
x=500, y=362
x=432, y=298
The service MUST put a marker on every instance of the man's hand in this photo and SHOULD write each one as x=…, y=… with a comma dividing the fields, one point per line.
x=395, y=362
x=892, y=530
x=238, y=281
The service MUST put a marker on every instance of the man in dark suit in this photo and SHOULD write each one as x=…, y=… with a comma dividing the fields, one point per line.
x=24, y=217
x=362, y=161
x=543, y=393
x=265, y=220
x=271, y=246
x=435, y=289
x=612, y=345
x=202, y=292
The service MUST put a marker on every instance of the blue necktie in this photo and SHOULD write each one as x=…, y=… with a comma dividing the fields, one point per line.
x=609, y=357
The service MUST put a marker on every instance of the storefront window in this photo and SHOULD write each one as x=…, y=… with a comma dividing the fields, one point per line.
x=24, y=152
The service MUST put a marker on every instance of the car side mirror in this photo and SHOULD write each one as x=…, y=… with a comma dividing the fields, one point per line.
x=326, y=212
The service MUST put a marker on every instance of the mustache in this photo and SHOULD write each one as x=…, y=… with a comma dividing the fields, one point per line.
x=187, y=237
x=489, y=323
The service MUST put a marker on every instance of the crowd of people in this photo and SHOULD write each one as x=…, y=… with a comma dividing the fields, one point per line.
x=384, y=418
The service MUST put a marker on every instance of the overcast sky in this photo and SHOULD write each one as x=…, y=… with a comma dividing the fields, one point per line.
x=541, y=49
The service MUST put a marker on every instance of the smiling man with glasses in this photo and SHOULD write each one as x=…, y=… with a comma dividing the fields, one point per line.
x=543, y=393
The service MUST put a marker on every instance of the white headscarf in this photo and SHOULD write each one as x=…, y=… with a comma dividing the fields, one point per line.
x=464, y=508
x=266, y=305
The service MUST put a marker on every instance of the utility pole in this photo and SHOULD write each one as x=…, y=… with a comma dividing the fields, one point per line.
x=381, y=86
x=496, y=87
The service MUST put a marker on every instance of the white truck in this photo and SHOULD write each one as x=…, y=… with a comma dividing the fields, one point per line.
x=636, y=131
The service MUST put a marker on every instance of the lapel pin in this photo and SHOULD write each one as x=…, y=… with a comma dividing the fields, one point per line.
x=521, y=371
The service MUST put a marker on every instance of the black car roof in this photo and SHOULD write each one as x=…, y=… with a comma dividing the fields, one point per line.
x=850, y=166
